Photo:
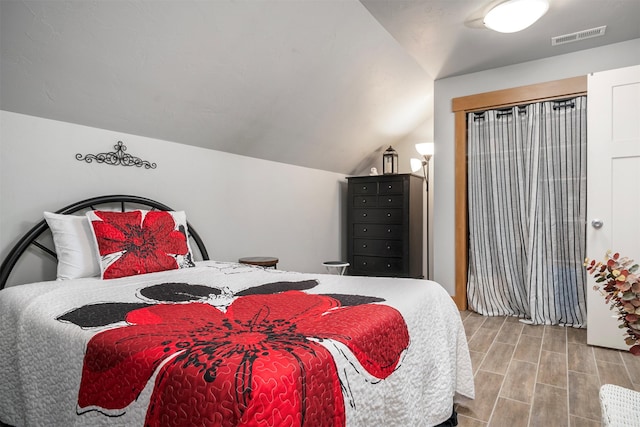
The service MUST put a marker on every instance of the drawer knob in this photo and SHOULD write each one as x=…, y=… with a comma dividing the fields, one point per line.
x=364, y=262
x=390, y=187
x=364, y=214
x=388, y=247
x=364, y=200
x=389, y=200
x=364, y=187
x=388, y=265
x=388, y=230
x=388, y=214
x=364, y=230
x=364, y=246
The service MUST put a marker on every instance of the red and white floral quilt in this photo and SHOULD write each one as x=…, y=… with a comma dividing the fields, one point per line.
x=225, y=344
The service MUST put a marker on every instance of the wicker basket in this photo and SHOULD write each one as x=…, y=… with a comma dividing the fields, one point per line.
x=620, y=406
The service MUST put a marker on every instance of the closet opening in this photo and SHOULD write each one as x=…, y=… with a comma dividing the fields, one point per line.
x=555, y=90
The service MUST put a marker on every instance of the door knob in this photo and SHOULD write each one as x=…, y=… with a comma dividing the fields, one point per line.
x=597, y=224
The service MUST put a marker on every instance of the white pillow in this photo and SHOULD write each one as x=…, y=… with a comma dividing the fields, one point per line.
x=73, y=239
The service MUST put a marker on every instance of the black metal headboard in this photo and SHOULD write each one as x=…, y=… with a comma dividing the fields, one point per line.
x=30, y=238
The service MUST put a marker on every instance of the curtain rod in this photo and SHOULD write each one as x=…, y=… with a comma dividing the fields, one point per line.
x=507, y=111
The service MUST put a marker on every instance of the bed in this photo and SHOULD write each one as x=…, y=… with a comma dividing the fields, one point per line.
x=214, y=343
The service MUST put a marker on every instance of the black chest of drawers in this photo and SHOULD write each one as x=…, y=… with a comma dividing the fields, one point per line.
x=384, y=225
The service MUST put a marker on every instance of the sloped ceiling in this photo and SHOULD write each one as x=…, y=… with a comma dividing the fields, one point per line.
x=316, y=83
x=311, y=83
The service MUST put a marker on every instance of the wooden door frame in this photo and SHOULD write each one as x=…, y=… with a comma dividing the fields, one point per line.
x=565, y=88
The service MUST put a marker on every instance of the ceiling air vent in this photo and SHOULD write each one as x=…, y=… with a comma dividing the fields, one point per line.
x=577, y=36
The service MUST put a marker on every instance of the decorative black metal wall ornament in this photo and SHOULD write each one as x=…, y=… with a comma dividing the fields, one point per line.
x=118, y=157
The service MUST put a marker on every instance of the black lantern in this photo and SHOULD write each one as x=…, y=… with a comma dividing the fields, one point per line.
x=390, y=162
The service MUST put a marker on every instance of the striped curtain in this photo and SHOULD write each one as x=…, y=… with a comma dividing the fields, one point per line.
x=527, y=207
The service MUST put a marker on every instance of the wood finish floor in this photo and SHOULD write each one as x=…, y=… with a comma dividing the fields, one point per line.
x=530, y=376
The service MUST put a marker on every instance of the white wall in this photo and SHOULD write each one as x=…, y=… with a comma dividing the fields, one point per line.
x=554, y=68
x=239, y=205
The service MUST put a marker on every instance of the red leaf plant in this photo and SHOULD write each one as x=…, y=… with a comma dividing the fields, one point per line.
x=619, y=283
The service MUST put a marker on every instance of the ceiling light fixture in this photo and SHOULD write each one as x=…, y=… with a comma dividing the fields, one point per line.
x=515, y=15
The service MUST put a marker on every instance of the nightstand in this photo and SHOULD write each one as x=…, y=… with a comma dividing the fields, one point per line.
x=261, y=261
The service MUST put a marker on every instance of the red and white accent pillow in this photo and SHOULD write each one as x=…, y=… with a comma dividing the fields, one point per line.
x=139, y=242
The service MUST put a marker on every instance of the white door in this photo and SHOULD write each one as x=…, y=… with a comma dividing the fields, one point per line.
x=613, y=186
